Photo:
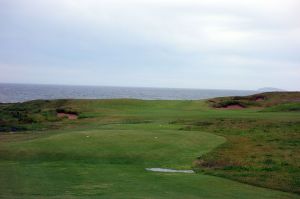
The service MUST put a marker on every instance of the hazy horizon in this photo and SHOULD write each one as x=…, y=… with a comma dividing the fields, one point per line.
x=151, y=87
x=209, y=44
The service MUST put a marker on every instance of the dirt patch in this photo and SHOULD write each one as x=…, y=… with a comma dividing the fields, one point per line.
x=259, y=99
x=67, y=115
x=233, y=107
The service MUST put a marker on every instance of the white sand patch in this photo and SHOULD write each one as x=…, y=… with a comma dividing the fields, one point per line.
x=169, y=170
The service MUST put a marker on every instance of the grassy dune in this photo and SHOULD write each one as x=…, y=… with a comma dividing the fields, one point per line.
x=104, y=153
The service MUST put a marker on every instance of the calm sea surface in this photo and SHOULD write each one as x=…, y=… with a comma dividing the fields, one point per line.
x=26, y=92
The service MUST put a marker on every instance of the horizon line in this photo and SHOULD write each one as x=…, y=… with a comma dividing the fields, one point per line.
x=150, y=87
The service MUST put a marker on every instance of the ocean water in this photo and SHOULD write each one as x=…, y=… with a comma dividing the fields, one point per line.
x=25, y=92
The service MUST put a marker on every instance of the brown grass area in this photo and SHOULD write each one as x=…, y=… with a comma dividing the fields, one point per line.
x=262, y=153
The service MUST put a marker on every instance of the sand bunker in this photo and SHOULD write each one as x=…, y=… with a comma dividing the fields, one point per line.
x=67, y=115
x=259, y=99
x=169, y=170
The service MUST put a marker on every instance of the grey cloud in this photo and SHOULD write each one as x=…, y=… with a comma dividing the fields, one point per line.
x=169, y=43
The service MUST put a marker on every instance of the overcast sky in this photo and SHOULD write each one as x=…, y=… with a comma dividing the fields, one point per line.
x=222, y=44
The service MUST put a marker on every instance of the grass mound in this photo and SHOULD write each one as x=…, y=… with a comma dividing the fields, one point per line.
x=33, y=115
x=259, y=100
x=286, y=107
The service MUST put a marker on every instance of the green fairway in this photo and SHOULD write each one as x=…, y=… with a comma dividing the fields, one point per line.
x=111, y=164
x=105, y=152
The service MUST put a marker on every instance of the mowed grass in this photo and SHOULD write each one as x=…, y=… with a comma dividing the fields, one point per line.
x=111, y=164
x=104, y=153
x=160, y=148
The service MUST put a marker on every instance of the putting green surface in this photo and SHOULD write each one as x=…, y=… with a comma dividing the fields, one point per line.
x=110, y=162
